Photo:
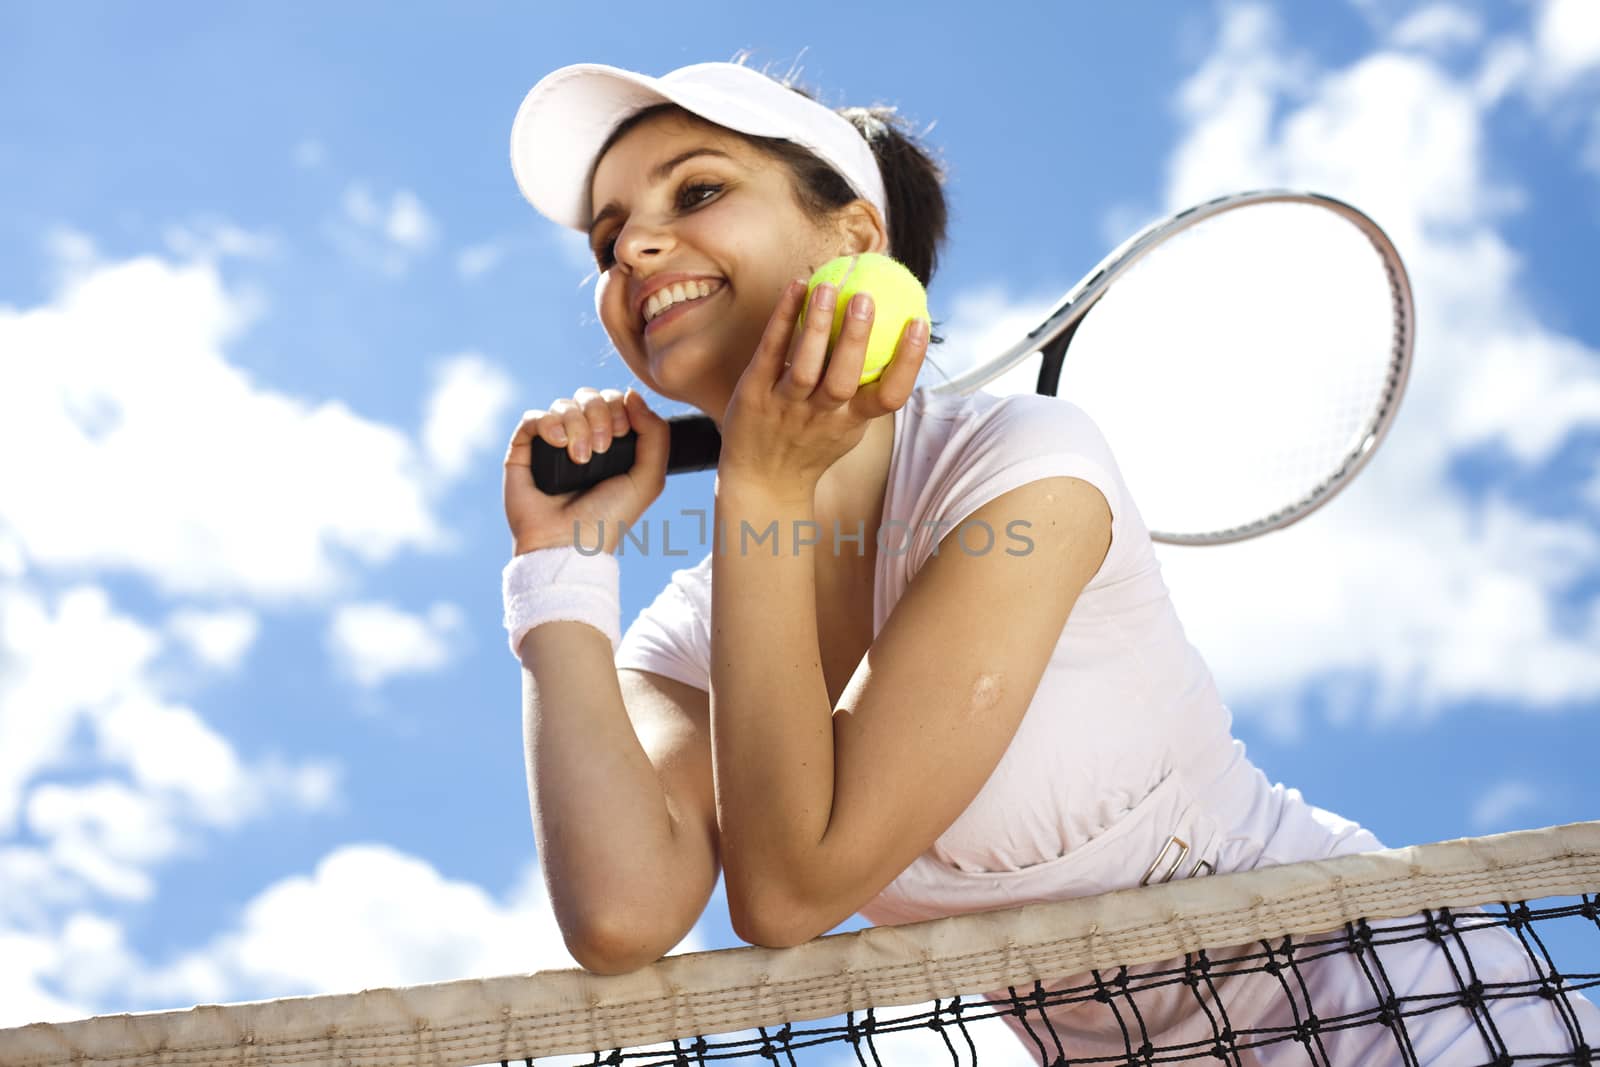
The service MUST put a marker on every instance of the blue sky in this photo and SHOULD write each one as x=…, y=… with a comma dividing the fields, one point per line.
x=271, y=303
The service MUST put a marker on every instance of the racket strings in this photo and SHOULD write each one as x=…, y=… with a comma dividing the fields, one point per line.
x=1244, y=368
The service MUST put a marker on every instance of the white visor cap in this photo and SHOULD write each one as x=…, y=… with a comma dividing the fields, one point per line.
x=565, y=119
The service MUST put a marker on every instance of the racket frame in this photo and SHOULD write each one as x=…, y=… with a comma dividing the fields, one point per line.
x=1052, y=337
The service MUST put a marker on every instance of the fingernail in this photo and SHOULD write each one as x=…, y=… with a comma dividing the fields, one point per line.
x=824, y=297
x=619, y=425
x=861, y=306
x=581, y=454
x=558, y=436
x=918, y=330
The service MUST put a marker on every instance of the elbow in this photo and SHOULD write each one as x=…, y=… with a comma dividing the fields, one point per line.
x=615, y=947
x=772, y=919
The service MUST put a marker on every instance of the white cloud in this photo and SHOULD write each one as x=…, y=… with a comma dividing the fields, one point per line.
x=23, y=998
x=1555, y=66
x=369, y=916
x=105, y=834
x=386, y=237
x=361, y=208
x=374, y=642
x=408, y=224
x=219, y=639
x=1437, y=598
x=222, y=487
x=310, y=154
x=1503, y=806
x=57, y=667
x=474, y=261
x=468, y=403
x=102, y=781
x=372, y=916
x=1400, y=576
x=1567, y=38
x=212, y=238
x=148, y=775
x=1229, y=105
x=1437, y=27
x=70, y=254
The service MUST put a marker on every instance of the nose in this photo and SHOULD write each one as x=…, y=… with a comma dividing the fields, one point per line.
x=642, y=241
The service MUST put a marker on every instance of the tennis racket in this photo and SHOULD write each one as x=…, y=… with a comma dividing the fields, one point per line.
x=1244, y=359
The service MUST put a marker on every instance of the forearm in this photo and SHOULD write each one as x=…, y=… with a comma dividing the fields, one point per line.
x=606, y=841
x=771, y=721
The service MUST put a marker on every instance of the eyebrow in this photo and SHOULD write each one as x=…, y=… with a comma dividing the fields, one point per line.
x=657, y=173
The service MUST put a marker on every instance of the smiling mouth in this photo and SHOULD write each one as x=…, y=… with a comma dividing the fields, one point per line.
x=677, y=300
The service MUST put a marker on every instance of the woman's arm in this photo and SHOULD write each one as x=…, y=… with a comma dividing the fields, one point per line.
x=619, y=779
x=819, y=808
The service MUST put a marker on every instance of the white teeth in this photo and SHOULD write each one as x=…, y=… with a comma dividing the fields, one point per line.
x=677, y=293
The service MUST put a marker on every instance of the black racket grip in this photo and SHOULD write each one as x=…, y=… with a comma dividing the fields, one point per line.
x=695, y=445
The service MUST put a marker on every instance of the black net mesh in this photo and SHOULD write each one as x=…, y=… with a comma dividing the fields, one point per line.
x=1503, y=984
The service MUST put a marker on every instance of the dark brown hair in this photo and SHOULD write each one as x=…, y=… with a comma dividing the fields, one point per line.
x=912, y=180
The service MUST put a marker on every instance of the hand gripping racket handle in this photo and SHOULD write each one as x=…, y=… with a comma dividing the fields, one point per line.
x=695, y=446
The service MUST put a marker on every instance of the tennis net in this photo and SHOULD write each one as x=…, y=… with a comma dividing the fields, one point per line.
x=1476, y=951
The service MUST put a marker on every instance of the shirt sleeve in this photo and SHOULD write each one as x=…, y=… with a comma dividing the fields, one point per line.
x=672, y=635
x=1022, y=438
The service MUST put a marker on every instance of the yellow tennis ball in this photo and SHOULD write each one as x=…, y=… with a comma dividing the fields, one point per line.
x=897, y=298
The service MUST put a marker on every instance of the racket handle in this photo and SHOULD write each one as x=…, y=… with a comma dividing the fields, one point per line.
x=695, y=445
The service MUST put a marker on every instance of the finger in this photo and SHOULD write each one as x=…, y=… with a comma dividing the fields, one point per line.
x=519, y=451
x=579, y=444
x=772, y=351
x=843, y=374
x=565, y=427
x=809, y=351
x=597, y=413
x=893, y=388
x=655, y=437
x=616, y=401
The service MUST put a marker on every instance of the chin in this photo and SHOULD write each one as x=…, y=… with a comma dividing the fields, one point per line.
x=683, y=372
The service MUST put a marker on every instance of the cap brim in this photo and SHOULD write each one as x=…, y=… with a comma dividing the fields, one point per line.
x=560, y=126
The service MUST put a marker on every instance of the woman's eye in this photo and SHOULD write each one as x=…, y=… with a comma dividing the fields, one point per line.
x=696, y=193
x=690, y=196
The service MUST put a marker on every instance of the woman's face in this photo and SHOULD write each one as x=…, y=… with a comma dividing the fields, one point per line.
x=696, y=234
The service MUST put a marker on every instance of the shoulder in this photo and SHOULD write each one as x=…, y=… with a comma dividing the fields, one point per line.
x=985, y=426
x=991, y=444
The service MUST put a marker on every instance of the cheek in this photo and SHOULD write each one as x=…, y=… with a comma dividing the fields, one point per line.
x=610, y=307
x=602, y=287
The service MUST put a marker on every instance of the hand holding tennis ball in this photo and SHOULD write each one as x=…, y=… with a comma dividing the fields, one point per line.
x=897, y=298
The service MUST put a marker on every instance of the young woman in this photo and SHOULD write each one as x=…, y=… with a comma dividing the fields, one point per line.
x=955, y=681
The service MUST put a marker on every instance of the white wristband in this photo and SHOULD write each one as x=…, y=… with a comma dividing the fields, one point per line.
x=562, y=584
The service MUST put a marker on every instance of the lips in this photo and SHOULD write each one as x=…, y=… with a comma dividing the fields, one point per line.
x=679, y=310
x=665, y=283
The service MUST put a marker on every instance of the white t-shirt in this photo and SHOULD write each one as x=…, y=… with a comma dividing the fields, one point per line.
x=1124, y=702
x=1124, y=751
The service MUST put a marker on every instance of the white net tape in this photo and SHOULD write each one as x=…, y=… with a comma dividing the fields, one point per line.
x=512, y=1017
